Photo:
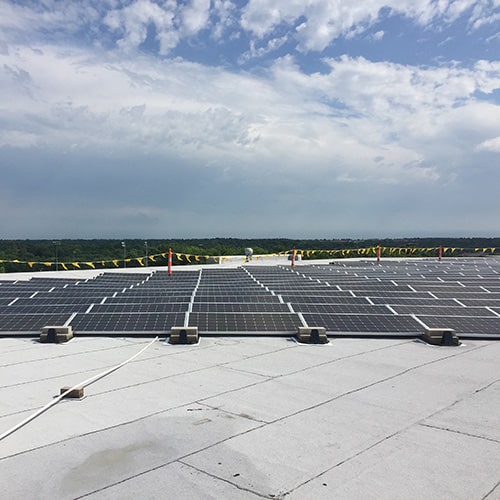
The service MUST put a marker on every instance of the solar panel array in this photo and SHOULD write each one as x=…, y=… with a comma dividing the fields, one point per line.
x=398, y=298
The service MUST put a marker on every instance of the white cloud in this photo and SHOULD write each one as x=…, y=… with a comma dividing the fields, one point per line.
x=195, y=16
x=132, y=23
x=327, y=20
x=490, y=145
x=410, y=118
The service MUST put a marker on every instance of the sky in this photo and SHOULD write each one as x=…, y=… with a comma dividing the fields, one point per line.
x=249, y=118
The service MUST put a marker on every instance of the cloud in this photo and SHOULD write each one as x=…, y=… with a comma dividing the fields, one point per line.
x=340, y=120
x=318, y=23
x=132, y=22
x=125, y=123
x=195, y=16
x=490, y=145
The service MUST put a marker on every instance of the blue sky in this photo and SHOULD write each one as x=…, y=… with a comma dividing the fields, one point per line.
x=258, y=118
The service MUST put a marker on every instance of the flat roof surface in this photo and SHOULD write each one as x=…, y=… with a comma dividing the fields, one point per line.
x=251, y=417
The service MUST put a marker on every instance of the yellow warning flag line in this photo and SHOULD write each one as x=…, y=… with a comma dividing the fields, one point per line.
x=191, y=258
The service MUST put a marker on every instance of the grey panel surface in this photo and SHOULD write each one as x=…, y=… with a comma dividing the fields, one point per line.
x=353, y=323
x=478, y=326
x=245, y=322
x=240, y=307
x=126, y=322
x=30, y=323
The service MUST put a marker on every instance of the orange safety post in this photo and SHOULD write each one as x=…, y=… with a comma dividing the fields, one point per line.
x=169, y=261
x=378, y=254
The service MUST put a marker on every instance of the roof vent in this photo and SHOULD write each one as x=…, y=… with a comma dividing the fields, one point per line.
x=184, y=335
x=312, y=335
x=441, y=336
x=56, y=334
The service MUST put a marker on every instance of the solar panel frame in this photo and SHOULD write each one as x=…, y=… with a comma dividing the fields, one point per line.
x=365, y=324
x=126, y=322
x=30, y=323
x=476, y=326
x=245, y=322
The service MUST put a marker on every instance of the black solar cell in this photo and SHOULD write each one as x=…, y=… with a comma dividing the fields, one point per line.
x=352, y=323
x=30, y=323
x=464, y=326
x=127, y=322
x=254, y=307
x=245, y=322
x=443, y=311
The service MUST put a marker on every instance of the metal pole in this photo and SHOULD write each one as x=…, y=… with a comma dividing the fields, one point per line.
x=124, y=245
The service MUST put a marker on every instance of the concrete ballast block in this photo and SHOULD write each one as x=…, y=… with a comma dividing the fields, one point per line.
x=441, y=336
x=312, y=335
x=184, y=335
x=76, y=393
x=56, y=334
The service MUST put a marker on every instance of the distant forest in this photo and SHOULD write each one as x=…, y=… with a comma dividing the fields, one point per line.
x=15, y=254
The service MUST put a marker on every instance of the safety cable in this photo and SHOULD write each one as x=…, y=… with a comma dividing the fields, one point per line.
x=83, y=384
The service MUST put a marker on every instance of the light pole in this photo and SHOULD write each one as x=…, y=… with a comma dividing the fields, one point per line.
x=146, y=245
x=57, y=243
x=124, y=245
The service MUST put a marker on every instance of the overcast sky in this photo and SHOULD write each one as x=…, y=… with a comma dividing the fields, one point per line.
x=258, y=118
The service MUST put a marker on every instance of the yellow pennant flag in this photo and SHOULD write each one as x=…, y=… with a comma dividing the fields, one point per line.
x=63, y=265
x=179, y=256
x=197, y=258
x=140, y=260
x=47, y=264
x=31, y=264
x=115, y=263
x=90, y=264
x=188, y=258
x=76, y=264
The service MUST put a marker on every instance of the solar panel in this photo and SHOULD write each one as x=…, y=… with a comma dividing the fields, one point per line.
x=240, y=307
x=468, y=295
x=126, y=322
x=443, y=311
x=245, y=322
x=140, y=307
x=124, y=299
x=31, y=323
x=340, y=308
x=430, y=301
x=353, y=323
x=43, y=309
x=468, y=326
x=237, y=298
x=324, y=299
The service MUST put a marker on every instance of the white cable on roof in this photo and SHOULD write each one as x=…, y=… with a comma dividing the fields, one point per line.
x=85, y=383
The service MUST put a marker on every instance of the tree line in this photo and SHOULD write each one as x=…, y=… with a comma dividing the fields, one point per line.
x=90, y=250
